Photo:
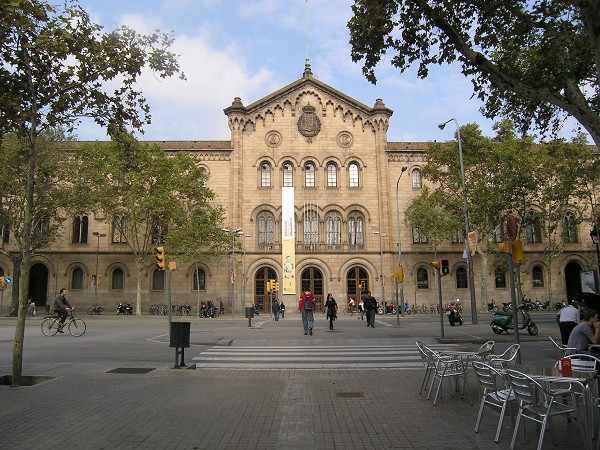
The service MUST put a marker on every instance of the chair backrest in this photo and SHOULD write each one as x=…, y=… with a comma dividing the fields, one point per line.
x=584, y=363
x=509, y=356
x=486, y=348
x=526, y=388
x=488, y=376
x=555, y=342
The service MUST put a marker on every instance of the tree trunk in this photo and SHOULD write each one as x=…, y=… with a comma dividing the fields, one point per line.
x=16, y=260
x=484, y=278
x=138, y=292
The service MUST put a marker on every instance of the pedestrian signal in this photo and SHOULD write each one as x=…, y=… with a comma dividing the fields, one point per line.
x=276, y=286
x=160, y=258
x=445, y=267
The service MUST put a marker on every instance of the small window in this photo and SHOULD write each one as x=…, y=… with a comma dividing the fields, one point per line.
x=311, y=227
x=1, y=271
x=265, y=175
x=331, y=175
x=118, y=279
x=353, y=175
x=288, y=175
x=5, y=230
x=533, y=229
x=570, y=229
x=77, y=279
x=461, y=278
x=537, y=277
x=418, y=236
x=119, y=230
x=158, y=280
x=500, y=277
x=309, y=175
x=199, y=279
x=80, y=230
x=417, y=182
x=422, y=278
x=458, y=237
x=159, y=232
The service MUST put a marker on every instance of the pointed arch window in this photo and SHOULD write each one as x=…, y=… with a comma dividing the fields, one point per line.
x=199, y=276
x=533, y=229
x=266, y=227
x=158, y=280
x=80, y=230
x=422, y=278
x=77, y=279
x=356, y=236
x=331, y=175
x=333, y=229
x=461, y=278
x=119, y=230
x=570, y=229
x=309, y=175
x=537, y=277
x=353, y=175
x=311, y=227
x=265, y=174
x=118, y=279
x=417, y=179
x=288, y=174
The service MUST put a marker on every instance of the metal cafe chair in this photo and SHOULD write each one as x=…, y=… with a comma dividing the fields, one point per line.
x=495, y=394
x=485, y=349
x=563, y=350
x=583, y=363
x=506, y=359
x=445, y=367
x=427, y=356
x=536, y=403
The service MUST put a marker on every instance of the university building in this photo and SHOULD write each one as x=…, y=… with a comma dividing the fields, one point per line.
x=347, y=179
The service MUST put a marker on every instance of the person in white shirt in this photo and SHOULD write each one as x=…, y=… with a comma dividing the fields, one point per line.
x=568, y=318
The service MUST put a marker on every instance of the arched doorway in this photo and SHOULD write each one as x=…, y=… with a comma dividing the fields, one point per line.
x=357, y=283
x=38, y=284
x=312, y=279
x=573, y=280
x=261, y=297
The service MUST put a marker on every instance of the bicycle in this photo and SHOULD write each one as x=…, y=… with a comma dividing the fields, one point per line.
x=75, y=326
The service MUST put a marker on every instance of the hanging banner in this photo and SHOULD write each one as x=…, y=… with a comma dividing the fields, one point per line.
x=288, y=240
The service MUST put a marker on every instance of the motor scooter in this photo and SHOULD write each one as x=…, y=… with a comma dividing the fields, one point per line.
x=502, y=322
x=124, y=308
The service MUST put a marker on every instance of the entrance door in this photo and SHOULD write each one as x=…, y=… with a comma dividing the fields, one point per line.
x=312, y=279
x=573, y=280
x=261, y=297
x=357, y=284
x=38, y=284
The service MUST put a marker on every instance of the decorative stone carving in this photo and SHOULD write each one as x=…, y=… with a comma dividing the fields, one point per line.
x=345, y=139
x=309, y=124
x=273, y=139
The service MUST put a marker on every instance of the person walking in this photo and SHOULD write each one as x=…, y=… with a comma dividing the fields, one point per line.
x=351, y=306
x=568, y=318
x=275, y=309
x=306, y=305
x=361, y=309
x=282, y=309
x=370, y=308
x=331, y=308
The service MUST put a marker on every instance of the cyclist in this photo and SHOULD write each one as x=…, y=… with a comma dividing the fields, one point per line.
x=62, y=308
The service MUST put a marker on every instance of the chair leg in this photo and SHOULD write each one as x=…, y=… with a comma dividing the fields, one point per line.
x=437, y=392
x=431, y=383
x=480, y=414
x=425, y=379
x=499, y=428
x=542, y=432
x=516, y=430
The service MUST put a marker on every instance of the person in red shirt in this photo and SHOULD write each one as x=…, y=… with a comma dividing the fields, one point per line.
x=306, y=305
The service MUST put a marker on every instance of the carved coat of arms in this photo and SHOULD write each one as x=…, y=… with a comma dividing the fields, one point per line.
x=309, y=124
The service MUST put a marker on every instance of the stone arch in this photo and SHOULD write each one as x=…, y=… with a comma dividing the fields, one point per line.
x=76, y=264
x=356, y=207
x=192, y=266
x=333, y=207
x=581, y=260
x=260, y=160
x=265, y=207
x=312, y=93
x=205, y=169
x=116, y=265
x=312, y=159
x=288, y=158
x=351, y=158
x=316, y=262
x=43, y=259
x=264, y=261
x=357, y=261
x=333, y=159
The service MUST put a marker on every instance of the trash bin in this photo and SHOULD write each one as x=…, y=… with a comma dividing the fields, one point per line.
x=180, y=334
x=249, y=312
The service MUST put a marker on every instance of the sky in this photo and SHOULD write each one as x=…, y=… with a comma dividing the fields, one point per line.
x=249, y=48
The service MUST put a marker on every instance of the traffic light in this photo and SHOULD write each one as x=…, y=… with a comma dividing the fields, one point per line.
x=271, y=285
x=2, y=283
x=160, y=257
x=445, y=267
x=435, y=264
x=277, y=286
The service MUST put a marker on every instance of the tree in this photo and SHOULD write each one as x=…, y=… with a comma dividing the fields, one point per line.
x=510, y=49
x=56, y=67
x=151, y=199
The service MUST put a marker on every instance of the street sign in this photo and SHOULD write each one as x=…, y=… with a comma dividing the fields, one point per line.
x=8, y=280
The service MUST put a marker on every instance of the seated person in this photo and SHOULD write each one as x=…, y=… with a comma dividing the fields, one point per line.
x=586, y=333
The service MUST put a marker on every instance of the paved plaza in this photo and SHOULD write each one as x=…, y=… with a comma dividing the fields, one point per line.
x=265, y=387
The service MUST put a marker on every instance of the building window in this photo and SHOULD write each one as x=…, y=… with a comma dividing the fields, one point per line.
x=333, y=229
x=500, y=277
x=118, y=279
x=537, y=277
x=119, y=230
x=458, y=237
x=80, y=230
x=499, y=233
x=77, y=279
x=266, y=225
x=159, y=232
x=309, y=175
x=461, y=278
x=570, y=229
x=331, y=175
x=533, y=229
x=265, y=175
x=422, y=278
x=311, y=227
x=356, y=236
x=288, y=174
x=158, y=280
x=353, y=175
x=417, y=181
x=199, y=277
x=418, y=236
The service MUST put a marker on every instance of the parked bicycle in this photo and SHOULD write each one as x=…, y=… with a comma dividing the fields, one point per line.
x=96, y=309
x=51, y=324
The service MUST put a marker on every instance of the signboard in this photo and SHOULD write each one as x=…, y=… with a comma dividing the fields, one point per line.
x=588, y=282
x=288, y=240
x=473, y=239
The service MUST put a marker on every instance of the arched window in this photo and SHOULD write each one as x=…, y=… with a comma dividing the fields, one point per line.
x=118, y=279
x=500, y=278
x=80, y=230
x=461, y=278
x=353, y=175
x=418, y=236
x=417, y=181
x=331, y=175
x=265, y=174
x=533, y=229
x=422, y=278
x=311, y=227
x=288, y=174
x=537, y=277
x=356, y=237
x=159, y=232
x=77, y=279
x=158, y=280
x=199, y=277
x=1, y=271
x=119, y=230
x=333, y=229
x=570, y=229
x=309, y=175
x=266, y=226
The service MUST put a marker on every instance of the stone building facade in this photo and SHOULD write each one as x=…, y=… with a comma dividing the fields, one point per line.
x=345, y=174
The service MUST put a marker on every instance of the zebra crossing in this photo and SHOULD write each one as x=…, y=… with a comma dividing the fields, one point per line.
x=402, y=356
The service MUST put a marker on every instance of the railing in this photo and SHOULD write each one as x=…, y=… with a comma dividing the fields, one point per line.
x=302, y=247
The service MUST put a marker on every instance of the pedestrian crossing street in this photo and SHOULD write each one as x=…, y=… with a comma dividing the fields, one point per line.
x=403, y=356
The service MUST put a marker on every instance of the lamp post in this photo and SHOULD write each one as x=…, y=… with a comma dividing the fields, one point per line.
x=399, y=300
x=381, y=236
x=595, y=235
x=244, y=269
x=466, y=217
x=98, y=235
x=234, y=233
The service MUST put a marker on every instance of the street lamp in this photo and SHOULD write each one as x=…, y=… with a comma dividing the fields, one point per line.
x=381, y=264
x=595, y=235
x=244, y=269
x=399, y=305
x=466, y=215
x=98, y=235
x=234, y=233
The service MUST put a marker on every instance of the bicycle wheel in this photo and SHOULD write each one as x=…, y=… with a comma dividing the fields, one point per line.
x=77, y=327
x=49, y=326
